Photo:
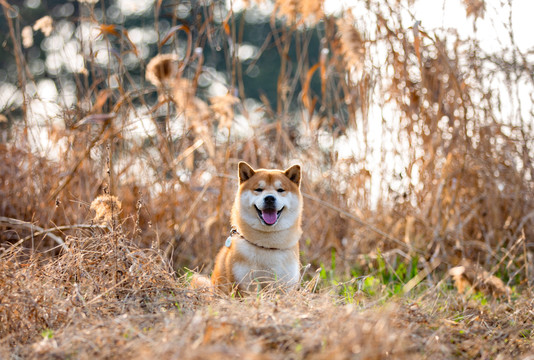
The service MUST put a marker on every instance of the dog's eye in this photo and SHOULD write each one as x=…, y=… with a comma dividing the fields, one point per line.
x=280, y=190
x=259, y=190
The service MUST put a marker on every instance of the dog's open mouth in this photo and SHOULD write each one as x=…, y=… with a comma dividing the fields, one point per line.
x=269, y=216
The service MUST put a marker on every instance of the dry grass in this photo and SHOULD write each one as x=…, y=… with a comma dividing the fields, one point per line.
x=458, y=157
x=448, y=184
x=103, y=297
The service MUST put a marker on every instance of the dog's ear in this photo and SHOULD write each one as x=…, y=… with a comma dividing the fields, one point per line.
x=245, y=172
x=293, y=174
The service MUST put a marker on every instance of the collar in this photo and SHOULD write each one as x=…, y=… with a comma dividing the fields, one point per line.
x=235, y=232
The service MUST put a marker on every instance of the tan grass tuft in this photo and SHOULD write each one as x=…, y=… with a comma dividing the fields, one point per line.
x=107, y=208
x=94, y=278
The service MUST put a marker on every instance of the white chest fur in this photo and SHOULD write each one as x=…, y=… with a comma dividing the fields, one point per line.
x=264, y=266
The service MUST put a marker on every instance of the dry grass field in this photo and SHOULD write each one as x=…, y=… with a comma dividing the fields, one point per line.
x=104, y=297
x=417, y=153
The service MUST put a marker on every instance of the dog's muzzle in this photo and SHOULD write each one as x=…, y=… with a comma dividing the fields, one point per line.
x=269, y=215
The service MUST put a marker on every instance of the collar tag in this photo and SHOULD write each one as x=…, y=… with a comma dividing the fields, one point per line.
x=228, y=241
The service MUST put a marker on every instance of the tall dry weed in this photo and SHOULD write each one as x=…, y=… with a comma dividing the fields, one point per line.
x=450, y=179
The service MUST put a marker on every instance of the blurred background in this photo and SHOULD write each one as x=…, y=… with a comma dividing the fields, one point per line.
x=413, y=121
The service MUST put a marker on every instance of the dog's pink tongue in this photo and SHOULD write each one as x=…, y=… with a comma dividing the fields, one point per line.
x=269, y=216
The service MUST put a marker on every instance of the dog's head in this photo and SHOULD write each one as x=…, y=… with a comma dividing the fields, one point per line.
x=269, y=200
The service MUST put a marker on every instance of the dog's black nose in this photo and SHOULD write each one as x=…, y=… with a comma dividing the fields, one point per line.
x=269, y=200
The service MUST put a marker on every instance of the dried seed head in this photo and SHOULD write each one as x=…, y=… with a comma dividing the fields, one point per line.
x=183, y=93
x=352, y=42
x=45, y=24
x=288, y=8
x=475, y=8
x=27, y=36
x=312, y=9
x=223, y=108
x=162, y=69
x=106, y=207
x=302, y=9
x=187, y=104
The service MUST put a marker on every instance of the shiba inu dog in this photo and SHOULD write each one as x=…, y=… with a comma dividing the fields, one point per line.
x=266, y=226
